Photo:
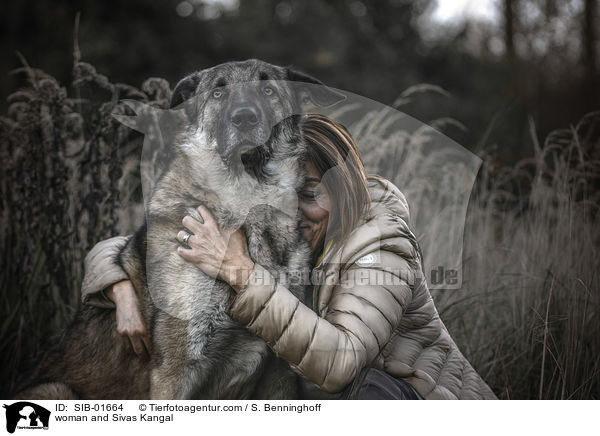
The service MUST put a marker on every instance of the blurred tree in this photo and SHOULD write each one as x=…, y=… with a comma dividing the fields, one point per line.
x=590, y=27
x=373, y=48
x=509, y=33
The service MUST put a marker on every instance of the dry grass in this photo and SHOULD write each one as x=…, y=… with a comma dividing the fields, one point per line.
x=528, y=316
x=528, y=313
x=70, y=178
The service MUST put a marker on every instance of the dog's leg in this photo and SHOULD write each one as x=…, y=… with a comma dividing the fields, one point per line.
x=278, y=381
x=163, y=385
x=174, y=380
x=169, y=356
x=48, y=391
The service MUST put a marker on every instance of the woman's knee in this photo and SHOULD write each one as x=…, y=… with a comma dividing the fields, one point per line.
x=374, y=384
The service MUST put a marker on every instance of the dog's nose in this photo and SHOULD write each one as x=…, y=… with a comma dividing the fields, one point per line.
x=244, y=118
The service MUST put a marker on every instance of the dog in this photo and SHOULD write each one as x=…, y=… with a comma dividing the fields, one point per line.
x=241, y=156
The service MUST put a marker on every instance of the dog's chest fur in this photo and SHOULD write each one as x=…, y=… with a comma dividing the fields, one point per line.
x=223, y=358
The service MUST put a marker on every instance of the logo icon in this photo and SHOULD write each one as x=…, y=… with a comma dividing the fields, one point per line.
x=366, y=260
x=26, y=415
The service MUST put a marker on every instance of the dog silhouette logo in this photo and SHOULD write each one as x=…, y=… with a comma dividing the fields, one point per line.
x=26, y=415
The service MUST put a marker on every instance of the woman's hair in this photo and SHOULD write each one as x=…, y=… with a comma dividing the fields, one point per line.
x=330, y=147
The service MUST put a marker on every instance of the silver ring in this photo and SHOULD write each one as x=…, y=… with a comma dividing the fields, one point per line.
x=186, y=238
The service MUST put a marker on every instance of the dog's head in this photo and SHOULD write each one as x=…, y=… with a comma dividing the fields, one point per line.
x=245, y=110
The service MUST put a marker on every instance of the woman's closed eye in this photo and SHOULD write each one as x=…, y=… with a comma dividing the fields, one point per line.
x=309, y=195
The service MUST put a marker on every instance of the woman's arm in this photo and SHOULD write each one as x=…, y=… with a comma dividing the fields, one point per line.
x=364, y=310
x=101, y=272
x=130, y=324
x=106, y=285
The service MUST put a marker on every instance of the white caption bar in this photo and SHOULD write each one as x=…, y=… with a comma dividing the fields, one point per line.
x=304, y=418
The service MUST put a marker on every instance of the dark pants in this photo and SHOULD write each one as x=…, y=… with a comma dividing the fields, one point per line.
x=374, y=384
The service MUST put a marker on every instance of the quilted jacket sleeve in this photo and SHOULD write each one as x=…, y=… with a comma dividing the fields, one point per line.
x=101, y=272
x=363, y=313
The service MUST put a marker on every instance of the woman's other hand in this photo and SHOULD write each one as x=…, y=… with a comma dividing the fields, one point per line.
x=222, y=254
x=130, y=325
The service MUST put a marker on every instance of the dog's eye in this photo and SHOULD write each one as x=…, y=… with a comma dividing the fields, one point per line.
x=217, y=93
x=268, y=90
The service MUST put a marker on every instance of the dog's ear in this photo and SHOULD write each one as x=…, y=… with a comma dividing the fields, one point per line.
x=183, y=93
x=185, y=89
x=317, y=92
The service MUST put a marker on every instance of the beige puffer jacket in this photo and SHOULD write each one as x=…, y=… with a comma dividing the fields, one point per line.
x=374, y=309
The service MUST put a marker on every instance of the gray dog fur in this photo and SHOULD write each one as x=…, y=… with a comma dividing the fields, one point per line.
x=247, y=176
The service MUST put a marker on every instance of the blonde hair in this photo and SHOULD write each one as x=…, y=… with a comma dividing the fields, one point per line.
x=330, y=146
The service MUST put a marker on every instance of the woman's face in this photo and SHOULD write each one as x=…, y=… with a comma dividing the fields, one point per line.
x=314, y=205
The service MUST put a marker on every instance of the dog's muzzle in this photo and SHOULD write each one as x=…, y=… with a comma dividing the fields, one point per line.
x=243, y=138
x=245, y=118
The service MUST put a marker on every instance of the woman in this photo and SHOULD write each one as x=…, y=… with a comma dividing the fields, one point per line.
x=373, y=331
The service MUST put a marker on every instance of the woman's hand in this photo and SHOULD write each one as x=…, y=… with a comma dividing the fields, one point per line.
x=130, y=325
x=222, y=254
